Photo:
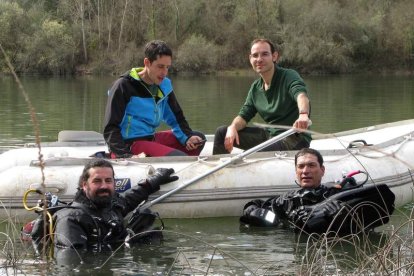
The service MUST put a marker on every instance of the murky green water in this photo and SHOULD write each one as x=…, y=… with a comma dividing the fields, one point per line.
x=338, y=103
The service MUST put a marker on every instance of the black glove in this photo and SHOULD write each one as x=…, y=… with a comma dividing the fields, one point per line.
x=256, y=216
x=160, y=177
x=248, y=210
x=301, y=214
x=331, y=208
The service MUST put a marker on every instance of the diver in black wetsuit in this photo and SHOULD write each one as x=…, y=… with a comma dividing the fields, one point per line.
x=318, y=208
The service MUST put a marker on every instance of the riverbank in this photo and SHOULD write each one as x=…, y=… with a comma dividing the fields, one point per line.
x=248, y=72
x=242, y=72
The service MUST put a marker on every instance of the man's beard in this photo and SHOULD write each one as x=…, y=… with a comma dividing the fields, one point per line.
x=102, y=201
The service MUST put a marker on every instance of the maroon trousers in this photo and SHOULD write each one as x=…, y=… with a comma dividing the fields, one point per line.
x=164, y=144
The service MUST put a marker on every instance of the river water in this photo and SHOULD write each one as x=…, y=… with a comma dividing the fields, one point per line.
x=338, y=103
x=195, y=246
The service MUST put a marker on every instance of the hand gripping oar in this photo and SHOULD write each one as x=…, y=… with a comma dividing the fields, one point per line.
x=223, y=165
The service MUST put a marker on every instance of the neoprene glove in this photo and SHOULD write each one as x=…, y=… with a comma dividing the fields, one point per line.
x=248, y=210
x=328, y=209
x=160, y=177
x=301, y=214
x=256, y=216
x=331, y=208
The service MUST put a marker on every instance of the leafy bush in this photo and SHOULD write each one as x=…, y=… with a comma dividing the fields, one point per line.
x=197, y=55
x=51, y=50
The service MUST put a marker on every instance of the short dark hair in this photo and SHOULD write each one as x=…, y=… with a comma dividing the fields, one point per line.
x=304, y=151
x=264, y=40
x=101, y=163
x=155, y=49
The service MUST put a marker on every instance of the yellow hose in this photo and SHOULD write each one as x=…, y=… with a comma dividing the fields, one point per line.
x=40, y=209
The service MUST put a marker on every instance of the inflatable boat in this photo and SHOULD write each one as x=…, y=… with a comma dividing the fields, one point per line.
x=384, y=151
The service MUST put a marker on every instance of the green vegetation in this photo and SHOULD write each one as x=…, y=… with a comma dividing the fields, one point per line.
x=107, y=36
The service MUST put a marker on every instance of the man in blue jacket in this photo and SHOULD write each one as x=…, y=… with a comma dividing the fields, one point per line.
x=138, y=102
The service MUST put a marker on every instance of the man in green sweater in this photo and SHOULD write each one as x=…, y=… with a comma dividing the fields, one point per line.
x=280, y=98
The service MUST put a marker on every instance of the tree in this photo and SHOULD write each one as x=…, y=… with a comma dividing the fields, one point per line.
x=13, y=27
x=51, y=50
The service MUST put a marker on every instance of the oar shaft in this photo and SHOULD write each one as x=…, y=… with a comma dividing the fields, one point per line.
x=224, y=164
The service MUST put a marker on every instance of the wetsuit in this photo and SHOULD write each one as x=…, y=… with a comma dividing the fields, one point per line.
x=339, y=210
x=83, y=225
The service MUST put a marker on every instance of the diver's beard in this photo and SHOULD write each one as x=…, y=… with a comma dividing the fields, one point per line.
x=102, y=201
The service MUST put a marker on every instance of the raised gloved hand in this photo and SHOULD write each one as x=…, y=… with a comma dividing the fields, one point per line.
x=160, y=177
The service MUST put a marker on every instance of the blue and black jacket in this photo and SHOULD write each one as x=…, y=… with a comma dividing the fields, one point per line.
x=133, y=113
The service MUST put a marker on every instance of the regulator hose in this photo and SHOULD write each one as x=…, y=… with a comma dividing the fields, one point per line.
x=39, y=209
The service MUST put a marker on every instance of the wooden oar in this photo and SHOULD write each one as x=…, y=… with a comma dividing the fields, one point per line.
x=223, y=165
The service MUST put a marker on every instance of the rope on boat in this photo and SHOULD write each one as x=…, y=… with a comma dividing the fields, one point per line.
x=277, y=156
x=411, y=175
x=246, y=161
x=200, y=159
x=123, y=162
x=391, y=153
x=358, y=152
x=283, y=155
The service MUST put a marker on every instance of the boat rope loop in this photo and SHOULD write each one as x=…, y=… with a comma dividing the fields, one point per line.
x=245, y=161
x=277, y=156
x=351, y=153
x=125, y=162
x=284, y=156
x=200, y=159
x=407, y=138
x=411, y=175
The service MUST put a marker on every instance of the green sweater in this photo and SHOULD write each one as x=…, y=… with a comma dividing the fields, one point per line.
x=277, y=105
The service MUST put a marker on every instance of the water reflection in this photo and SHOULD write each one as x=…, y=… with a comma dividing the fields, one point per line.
x=338, y=103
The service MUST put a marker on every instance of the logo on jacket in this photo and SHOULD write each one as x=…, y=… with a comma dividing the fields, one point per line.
x=122, y=184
